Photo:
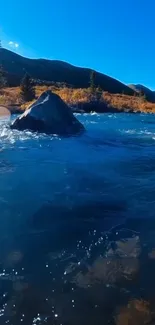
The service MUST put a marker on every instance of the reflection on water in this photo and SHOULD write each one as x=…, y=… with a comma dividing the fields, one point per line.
x=77, y=235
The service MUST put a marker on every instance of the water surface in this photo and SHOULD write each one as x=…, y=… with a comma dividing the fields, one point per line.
x=77, y=221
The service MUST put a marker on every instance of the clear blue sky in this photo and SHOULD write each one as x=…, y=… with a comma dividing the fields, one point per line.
x=116, y=37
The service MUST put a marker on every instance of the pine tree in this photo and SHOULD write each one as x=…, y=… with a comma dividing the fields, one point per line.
x=3, y=75
x=3, y=80
x=27, y=90
x=96, y=92
x=99, y=93
x=143, y=96
x=92, y=81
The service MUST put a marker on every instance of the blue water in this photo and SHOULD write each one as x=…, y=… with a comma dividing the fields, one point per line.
x=63, y=202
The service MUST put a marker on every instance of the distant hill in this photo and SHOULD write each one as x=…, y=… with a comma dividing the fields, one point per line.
x=150, y=95
x=56, y=71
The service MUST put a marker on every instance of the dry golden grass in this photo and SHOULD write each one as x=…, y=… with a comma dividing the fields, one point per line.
x=9, y=96
x=137, y=104
x=77, y=97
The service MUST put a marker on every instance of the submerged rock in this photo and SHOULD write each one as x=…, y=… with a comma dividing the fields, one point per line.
x=128, y=248
x=137, y=312
x=151, y=254
x=118, y=264
x=49, y=114
x=108, y=271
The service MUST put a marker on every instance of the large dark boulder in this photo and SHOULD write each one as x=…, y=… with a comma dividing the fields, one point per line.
x=49, y=114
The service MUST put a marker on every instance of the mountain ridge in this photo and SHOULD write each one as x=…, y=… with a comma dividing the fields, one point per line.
x=143, y=90
x=56, y=71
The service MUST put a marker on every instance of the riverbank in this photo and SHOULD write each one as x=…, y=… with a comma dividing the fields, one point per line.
x=81, y=100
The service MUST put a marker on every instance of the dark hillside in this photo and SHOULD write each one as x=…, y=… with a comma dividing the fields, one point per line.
x=56, y=71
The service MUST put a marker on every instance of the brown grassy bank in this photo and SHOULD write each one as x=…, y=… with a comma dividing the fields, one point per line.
x=81, y=99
